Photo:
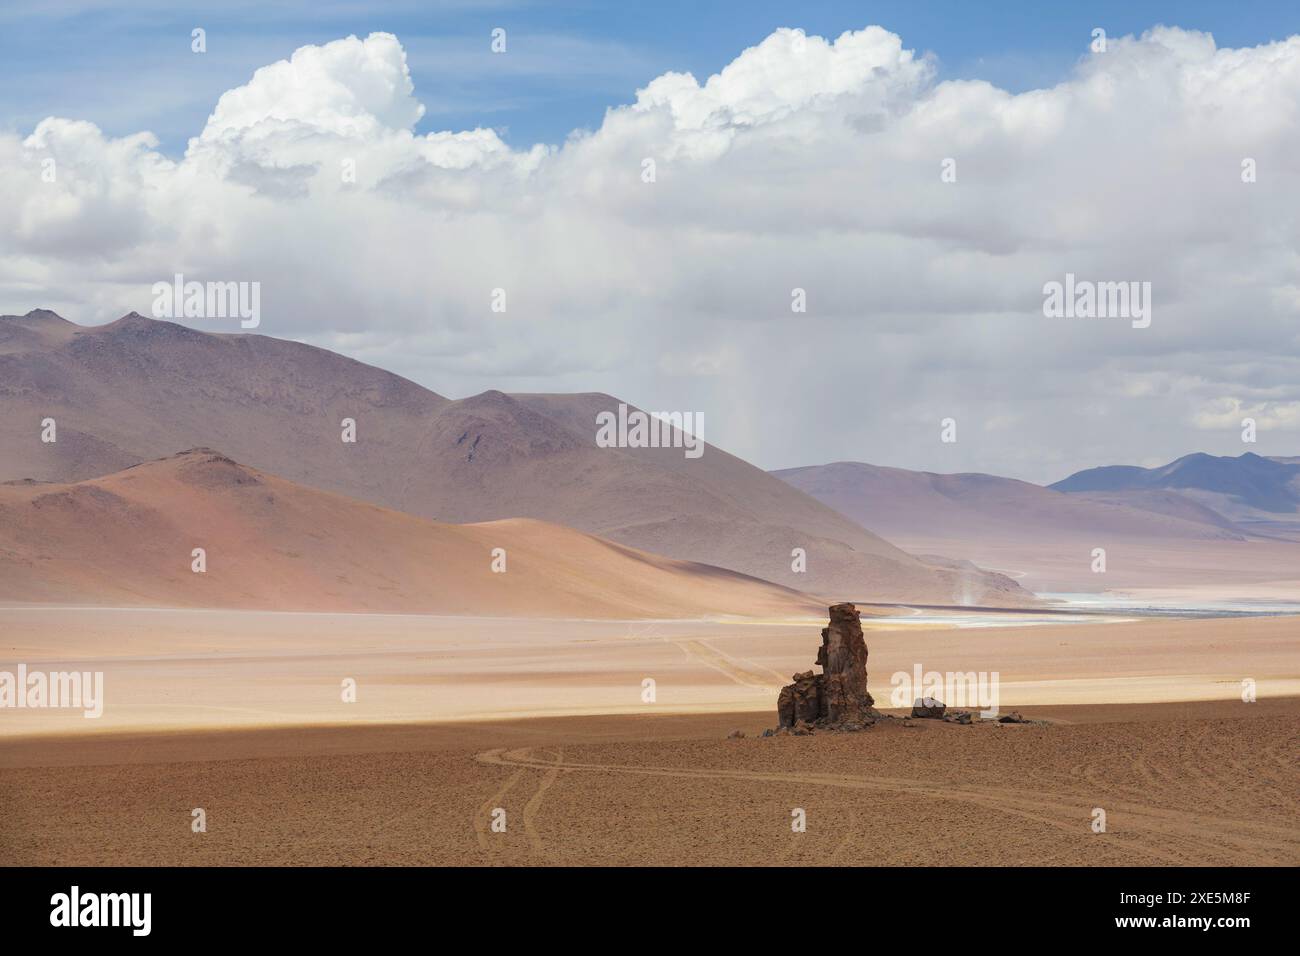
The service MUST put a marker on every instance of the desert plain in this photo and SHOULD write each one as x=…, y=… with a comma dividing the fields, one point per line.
x=544, y=723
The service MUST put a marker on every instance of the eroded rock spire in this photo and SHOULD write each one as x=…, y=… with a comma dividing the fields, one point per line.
x=837, y=698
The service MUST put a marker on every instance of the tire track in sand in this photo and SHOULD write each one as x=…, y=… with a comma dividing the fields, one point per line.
x=745, y=673
x=483, y=815
x=535, y=802
x=1176, y=837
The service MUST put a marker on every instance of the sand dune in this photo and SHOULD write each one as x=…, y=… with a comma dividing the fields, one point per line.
x=128, y=539
x=139, y=389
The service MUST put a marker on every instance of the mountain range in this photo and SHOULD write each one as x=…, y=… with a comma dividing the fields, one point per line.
x=141, y=389
x=1199, y=519
x=1249, y=489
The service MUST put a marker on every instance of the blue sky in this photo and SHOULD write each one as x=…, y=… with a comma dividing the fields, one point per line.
x=128, y=67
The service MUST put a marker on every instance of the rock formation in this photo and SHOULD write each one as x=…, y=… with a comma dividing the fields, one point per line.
x=837, y=698
x=937, y=710
x=928, y=707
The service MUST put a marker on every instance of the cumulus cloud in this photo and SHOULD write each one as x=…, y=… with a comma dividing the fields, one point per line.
x=346, y=100
x=356, y=89
x=786, y=74
x=805, y=163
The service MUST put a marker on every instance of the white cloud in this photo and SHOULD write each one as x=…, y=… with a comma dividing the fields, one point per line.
x=1228, y=412
x=804, y=163
x=787, y=73
x=351, y=88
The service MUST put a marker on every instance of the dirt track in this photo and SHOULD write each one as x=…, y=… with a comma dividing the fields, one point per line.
x=1207, y=783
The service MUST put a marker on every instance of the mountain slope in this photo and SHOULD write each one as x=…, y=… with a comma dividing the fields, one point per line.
x=127, y=539
x=1047, y=539
x=914, y=505
x=1229, y=485
x=138, y=389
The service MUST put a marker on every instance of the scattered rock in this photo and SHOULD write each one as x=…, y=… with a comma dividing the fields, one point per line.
x=928, y=707
x=957, y=717
x=837, y=698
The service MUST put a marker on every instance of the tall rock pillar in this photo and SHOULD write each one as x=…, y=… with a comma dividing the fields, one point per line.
x=837, y=698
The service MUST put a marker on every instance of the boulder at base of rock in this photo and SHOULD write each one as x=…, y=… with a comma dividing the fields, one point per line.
x=928, y=707
x=801, y=700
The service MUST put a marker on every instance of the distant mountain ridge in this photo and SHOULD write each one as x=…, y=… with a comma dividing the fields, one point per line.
x=140, y=389
x=1194, y=522
x=924, y=504
x=1266, y=484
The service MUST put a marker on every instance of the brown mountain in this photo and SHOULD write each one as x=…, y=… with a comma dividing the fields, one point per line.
x=138, y=389
x=128, y=539
x=1045, y=537
x=921, y=505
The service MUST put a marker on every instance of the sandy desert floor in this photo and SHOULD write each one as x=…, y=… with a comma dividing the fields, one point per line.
x=1193, y=783
x=190, y=669
x=241, y=714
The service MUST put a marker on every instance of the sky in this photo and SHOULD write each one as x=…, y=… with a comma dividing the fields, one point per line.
x=128, y=66
x=795, y=147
